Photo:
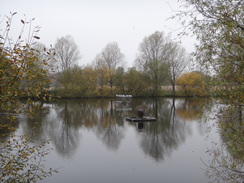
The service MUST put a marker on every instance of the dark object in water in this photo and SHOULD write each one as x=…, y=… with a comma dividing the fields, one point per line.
x=140, y=113
x=140, y=116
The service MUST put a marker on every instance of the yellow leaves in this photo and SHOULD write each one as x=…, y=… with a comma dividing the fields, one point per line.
x=21, y=72
x=22, y=161
x=15, y=93
x=192, y=84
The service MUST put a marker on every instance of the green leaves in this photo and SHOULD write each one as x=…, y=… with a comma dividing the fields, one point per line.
x=22, y=74
x=218, y=26
x=228, y=154
x=21, y=162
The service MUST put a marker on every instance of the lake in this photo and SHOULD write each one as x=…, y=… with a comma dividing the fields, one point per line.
x=93, y=142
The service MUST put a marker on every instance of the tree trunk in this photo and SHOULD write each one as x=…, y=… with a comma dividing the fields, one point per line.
x=173, y=87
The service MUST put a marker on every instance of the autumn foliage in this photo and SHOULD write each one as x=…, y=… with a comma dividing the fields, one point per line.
x=192, y=84
x=22, y=75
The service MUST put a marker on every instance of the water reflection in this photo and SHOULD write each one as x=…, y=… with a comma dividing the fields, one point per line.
x=191, y=109
x=164, y=136
x=76, y=129
x=227, y=156
x=62, y=123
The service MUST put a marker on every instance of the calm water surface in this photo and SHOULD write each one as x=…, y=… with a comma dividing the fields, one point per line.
x=93, y=143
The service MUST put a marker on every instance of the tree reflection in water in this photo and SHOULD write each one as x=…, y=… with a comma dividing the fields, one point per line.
x=62, y=131
x=108, y=130
x=227, y=156
x=159, y=141
x=62, y=120
x=170, y=130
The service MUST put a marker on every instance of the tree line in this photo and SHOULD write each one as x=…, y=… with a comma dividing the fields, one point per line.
x=27, y=67
x=160, y=61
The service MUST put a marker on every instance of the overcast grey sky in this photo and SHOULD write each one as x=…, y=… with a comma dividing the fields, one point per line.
x=95, y=23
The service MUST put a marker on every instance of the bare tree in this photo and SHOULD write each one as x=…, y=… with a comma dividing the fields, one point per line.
x=153, y=53
x=67, y=53
x=177, y=61
x=102, y=70
x=110, y=58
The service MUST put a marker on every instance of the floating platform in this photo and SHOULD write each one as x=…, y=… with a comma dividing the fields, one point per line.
x=137, y=119
x=124, y=96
